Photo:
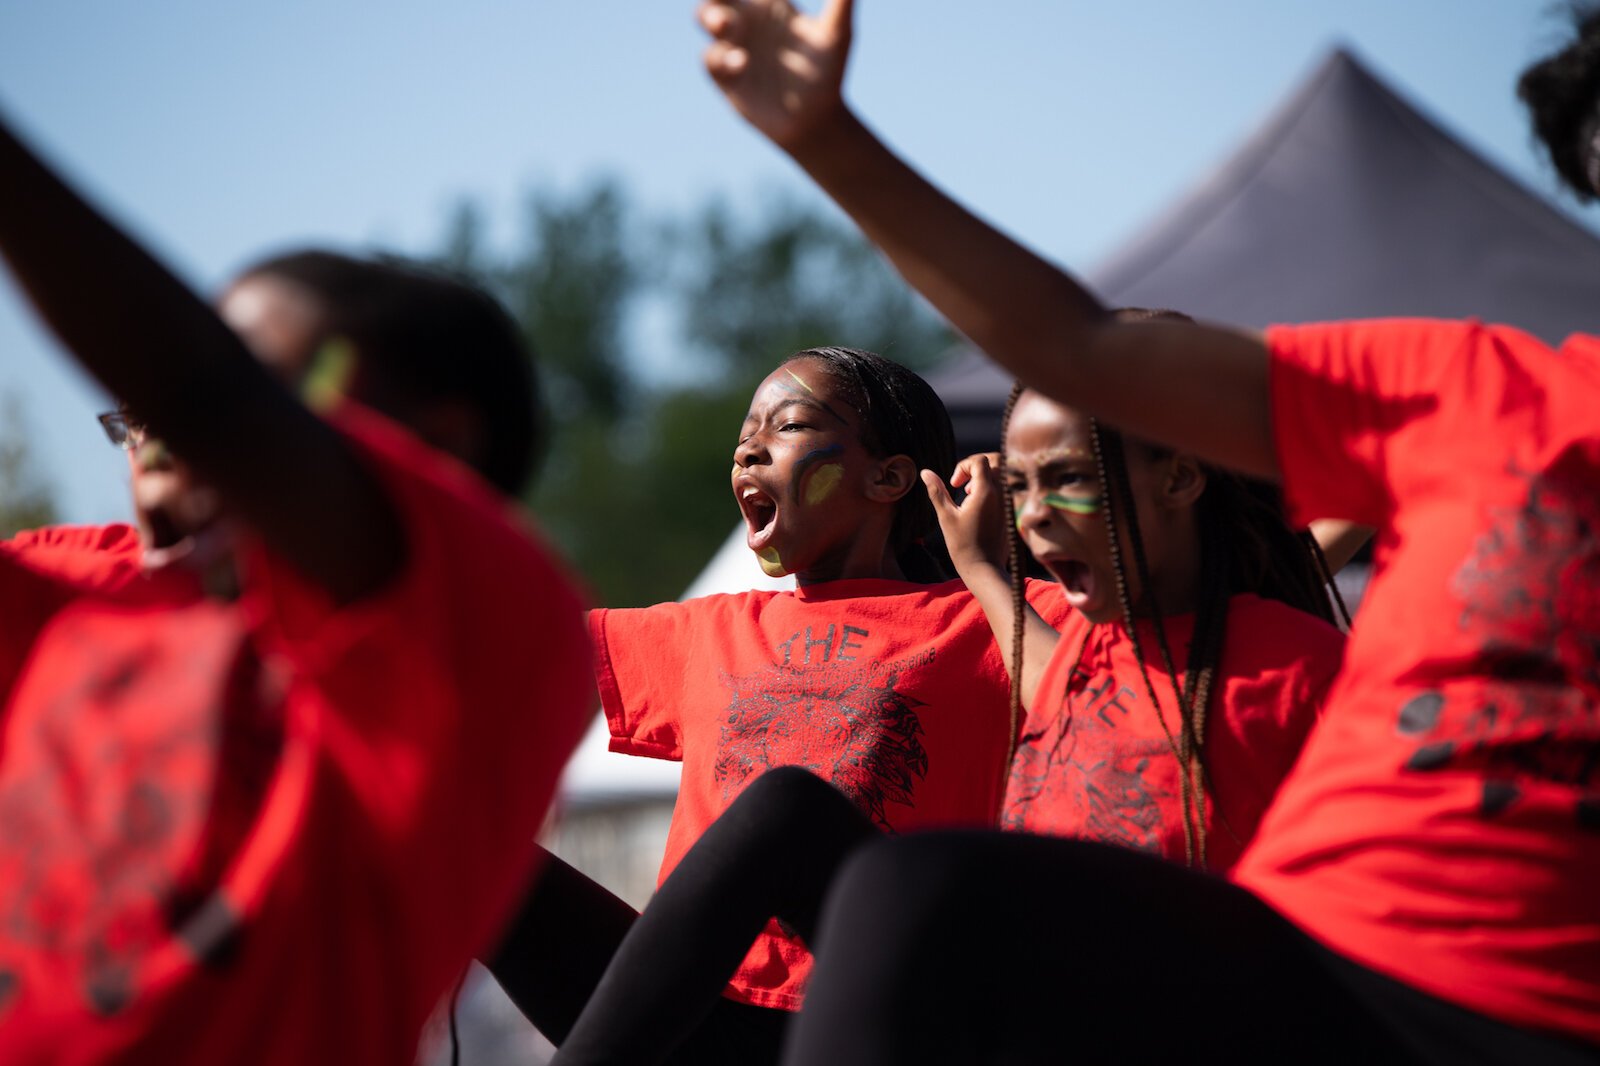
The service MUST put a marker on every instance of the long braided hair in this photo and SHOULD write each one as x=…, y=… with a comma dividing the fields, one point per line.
x=1246, y=545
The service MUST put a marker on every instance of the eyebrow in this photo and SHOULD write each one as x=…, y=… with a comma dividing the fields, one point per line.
x=810, y=397
x=1052, y=457
x=795, y=399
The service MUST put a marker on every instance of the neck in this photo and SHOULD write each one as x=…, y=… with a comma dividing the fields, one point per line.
x=854, y=561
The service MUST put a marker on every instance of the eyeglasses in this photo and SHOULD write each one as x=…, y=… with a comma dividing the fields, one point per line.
x=122, y=429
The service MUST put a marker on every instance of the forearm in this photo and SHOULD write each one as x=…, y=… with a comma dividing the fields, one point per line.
x=1198, y=387
x=1339, y=540
x=1021, y=309
x=140, y=332
x=990, y=585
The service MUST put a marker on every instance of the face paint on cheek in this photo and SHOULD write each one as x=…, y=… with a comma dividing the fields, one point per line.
x=771, y=565
x=824, y=479
x=1070, y=504
x=327, y=380
x=807, y=473
x=1073, y=504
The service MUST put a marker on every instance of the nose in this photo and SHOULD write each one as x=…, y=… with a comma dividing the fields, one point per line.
x=1031, y=510
x=750, y=451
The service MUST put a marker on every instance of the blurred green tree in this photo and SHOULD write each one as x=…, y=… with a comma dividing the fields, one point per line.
x=651, y=335
x=26, y=501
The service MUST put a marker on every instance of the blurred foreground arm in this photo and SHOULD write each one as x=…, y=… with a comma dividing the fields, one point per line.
x=164, y=352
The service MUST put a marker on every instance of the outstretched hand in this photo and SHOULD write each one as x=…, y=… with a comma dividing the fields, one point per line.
x=782, y=70
x=974, y=529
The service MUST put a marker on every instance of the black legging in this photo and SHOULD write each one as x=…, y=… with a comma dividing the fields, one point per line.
x=609, y=986
x=1008, y=948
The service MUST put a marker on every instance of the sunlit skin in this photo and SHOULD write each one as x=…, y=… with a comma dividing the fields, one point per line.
x=817, y=504
x=1051, y=476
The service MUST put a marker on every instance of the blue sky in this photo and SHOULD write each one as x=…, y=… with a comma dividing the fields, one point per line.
x=218, y=132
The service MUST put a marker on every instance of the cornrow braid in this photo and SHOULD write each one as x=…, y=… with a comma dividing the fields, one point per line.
x=1017, y=569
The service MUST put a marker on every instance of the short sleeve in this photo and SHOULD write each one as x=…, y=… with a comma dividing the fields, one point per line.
x=1339, y=392
x=91, y=558
x=640, y=667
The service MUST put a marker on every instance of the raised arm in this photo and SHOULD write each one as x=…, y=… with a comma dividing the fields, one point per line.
x=974, y=532
x=164, y=352
x=1202, y=388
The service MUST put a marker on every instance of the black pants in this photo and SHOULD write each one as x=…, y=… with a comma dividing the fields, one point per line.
x=1008, y=948
x=609, y=986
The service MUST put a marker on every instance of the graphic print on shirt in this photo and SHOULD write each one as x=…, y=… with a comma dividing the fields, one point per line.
x=1081, y=774
x=1531, y=596
x=123, y=802
x=822, y=707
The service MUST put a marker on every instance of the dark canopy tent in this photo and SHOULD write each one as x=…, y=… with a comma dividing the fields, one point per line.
x=1347, y=204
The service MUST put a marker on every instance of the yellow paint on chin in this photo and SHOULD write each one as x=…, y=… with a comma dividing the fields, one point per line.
x=823, y=481
x=771, y=565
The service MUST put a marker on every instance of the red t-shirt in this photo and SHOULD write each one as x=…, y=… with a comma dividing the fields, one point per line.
x=894, y=692
x=1443, y=826
x=104, y=558
x=1093, y=762
x=272, y=831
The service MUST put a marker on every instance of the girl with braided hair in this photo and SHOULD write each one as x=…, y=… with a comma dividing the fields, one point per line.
x=1154, y=551
x=1422, y=888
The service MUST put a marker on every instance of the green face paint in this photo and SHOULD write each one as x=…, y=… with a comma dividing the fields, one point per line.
x=1075, y=504
x=327, y=380
x=1070, y=504
x=771, y=565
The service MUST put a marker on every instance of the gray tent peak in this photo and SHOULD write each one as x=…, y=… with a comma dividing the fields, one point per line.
x=1347, y=203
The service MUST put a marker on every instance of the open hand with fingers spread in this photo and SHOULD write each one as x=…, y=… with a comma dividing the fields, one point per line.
x=782, y=70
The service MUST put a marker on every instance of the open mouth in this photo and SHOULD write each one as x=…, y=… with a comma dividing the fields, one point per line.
x=1077, y=580
x=760, y=516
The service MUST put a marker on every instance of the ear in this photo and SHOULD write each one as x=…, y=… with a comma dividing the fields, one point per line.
x=1185, y=481
x=892, y=478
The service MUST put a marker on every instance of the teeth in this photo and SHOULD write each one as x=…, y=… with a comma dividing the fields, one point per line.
x=749, y=492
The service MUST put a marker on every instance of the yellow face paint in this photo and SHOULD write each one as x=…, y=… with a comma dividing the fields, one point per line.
x=771, y=565
x=798, y=380
x=823, y=481
x=327, y=381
